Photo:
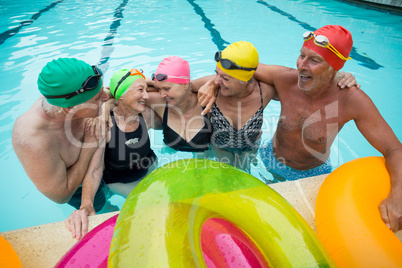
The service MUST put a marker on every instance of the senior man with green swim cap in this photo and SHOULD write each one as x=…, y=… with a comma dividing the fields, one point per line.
x=50, y=138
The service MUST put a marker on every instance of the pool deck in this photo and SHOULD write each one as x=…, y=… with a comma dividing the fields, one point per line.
x=44, y=245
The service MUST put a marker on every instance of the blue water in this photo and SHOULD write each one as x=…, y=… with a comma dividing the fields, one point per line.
x=117, y=34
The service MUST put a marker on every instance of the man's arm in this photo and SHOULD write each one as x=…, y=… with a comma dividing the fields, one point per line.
x=380, y=135
x=270, y=74
x=77, y=222
x=47, y=170
x=199, y=82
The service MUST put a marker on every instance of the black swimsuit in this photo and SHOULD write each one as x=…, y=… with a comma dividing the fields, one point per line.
x=199, y=143
x=128, y=155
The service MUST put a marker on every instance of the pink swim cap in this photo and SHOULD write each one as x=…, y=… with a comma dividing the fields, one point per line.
x=175, y=68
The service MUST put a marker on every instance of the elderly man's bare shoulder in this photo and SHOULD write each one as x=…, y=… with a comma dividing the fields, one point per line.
x=352, y=95
x=31, y=133
x=354, y=100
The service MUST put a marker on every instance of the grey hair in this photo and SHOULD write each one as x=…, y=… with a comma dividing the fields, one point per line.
x=51, y=109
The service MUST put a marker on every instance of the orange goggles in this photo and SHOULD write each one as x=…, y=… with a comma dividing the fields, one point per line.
x=132, y=72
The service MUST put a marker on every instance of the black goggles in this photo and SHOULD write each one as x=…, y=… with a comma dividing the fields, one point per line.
x=230, y=65
x=162, y=77
x=89, y=84
x=159, y=77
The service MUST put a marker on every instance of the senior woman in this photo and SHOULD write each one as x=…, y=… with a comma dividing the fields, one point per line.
x=127, y=157
x=184, y=128
x=237, y=113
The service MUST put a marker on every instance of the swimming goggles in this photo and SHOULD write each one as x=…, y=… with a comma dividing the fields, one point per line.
x=89, y=84
x=230, y=65
x=132, y=72
x=162, y=77
x=322, y=41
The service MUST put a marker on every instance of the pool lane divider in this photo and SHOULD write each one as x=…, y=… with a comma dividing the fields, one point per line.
x=9, y=33
x=364, y=61
x=108, y=41
x=216, y=36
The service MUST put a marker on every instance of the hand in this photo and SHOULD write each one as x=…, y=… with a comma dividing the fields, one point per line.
x=100, y=126
x=107, y=90
x=77, y=222
x=391, y=211
x=90, y=140
x=206, y=95
x=347, y=80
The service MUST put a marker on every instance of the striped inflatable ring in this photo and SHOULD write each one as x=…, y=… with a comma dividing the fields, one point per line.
x=161, y=221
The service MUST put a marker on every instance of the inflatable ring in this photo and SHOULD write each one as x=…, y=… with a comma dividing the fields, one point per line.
x=161, y=221
x=8, y=256
x=93, y=249
x=348, y=220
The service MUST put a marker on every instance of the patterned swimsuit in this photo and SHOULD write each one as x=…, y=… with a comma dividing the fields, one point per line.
x=226, y=137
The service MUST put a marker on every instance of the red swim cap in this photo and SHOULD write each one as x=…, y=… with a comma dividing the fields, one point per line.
x=339, y=38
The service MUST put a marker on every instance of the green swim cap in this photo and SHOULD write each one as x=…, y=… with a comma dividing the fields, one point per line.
x=65, y=76
x=122, y=79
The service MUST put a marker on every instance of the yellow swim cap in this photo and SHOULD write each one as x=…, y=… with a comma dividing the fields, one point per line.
x=243, y=54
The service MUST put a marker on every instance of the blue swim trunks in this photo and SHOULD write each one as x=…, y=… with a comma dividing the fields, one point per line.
x=281, y=172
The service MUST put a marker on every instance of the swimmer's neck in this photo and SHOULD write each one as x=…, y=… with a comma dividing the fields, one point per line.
x=125, y=113
x=189, y=102
x=250, y=87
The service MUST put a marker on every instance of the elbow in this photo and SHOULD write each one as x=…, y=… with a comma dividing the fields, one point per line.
x=394, y=151
x=59, y=198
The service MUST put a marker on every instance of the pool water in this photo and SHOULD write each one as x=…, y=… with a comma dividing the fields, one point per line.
x=124, y=34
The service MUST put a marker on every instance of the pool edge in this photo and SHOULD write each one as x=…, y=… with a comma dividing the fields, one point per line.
x=44, y=245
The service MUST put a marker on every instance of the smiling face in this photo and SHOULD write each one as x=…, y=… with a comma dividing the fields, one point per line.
x=135, y=96
x=229, y=86
x=314, y=71
x=173, y=93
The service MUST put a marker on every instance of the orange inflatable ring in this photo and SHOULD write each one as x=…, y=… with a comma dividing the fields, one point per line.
x=348, y=219
x=8, y=257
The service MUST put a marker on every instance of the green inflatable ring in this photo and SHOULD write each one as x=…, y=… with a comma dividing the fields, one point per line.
x=160, y=222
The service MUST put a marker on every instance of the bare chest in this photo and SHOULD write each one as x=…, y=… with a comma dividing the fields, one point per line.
x=316, y=123
x=70, y=145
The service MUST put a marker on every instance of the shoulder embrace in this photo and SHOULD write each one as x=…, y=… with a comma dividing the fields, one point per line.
x=355, y=95
x=357, y=102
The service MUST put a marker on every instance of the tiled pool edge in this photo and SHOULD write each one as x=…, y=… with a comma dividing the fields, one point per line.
x=44, y=245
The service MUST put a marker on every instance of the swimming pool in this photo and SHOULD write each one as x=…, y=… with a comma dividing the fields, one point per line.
x=123, y=33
